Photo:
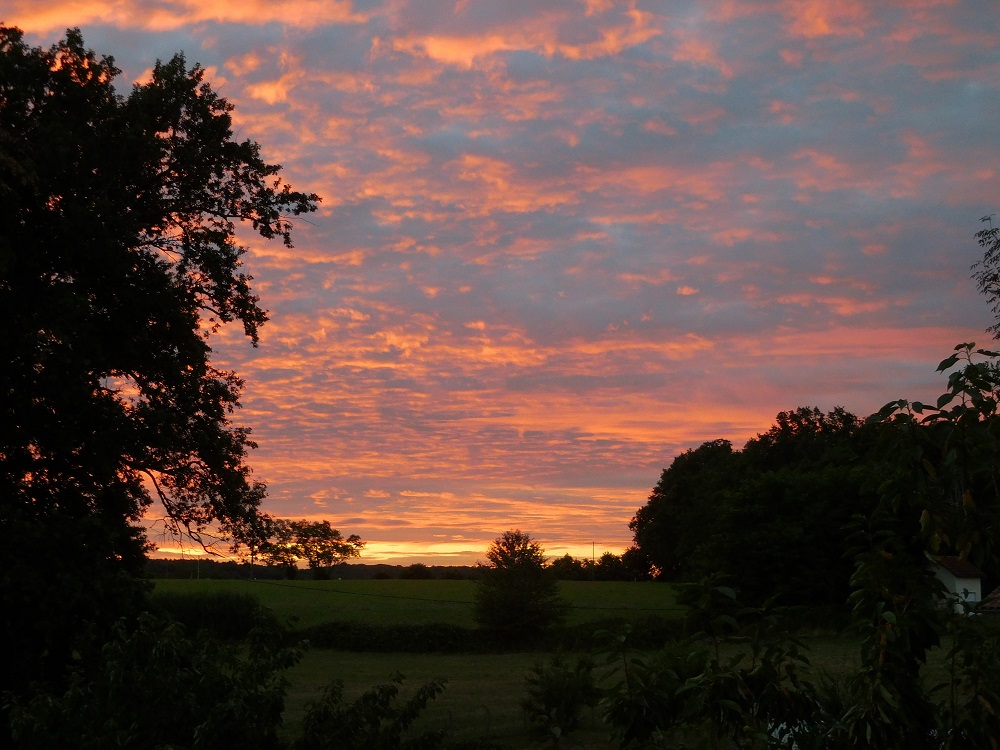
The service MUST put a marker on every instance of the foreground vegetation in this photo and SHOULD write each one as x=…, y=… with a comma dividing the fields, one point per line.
x=484, y=694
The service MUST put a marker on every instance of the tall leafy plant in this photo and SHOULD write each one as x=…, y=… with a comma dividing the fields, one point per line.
x=939, y=496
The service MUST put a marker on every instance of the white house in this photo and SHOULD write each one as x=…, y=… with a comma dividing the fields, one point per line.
x=962, y=579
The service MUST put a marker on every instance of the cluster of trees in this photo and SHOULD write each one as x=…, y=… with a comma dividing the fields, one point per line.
x=778, y=517
x=781, y=517
x=631, y=565
x=935, y=491
x=316, y=542
x=773, y=515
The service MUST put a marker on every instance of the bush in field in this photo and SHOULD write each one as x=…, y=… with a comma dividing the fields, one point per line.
x=228, y=615
x=518, y=597
x=752, y=699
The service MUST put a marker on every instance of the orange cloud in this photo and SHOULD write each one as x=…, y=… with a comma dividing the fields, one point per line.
x=542, y=35
x=818, y=18
x=56, y=16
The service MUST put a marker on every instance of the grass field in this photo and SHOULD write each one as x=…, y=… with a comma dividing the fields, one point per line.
x=481, y=698
x=483, y=691
x=397, y=602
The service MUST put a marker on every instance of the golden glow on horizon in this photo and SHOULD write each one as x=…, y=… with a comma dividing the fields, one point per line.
x=432, y=553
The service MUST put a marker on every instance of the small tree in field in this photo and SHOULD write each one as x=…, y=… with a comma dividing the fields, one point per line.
x=518, y=596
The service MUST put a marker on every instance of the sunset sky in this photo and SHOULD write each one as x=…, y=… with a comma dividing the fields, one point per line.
x=562, y=241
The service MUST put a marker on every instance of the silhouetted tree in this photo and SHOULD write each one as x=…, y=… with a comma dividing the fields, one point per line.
x=316, y=542
x=638, y=564
x=518, y=597
x=683, y=506
x=771, y=517
x=118, y=260
x=567, y=568
x=323, y=546
x=611, y=568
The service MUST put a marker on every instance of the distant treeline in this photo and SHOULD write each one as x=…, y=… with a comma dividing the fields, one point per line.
x=164, y=568
x=608, y=567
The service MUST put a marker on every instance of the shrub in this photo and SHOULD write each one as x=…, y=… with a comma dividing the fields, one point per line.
x=375, y=721
x=557, y=693
x=156, y=688
x=228, y=615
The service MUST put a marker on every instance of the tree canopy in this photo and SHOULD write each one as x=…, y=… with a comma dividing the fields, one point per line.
x=518, y=596
x=316, y=542
x=118, y=261
x=772, y=515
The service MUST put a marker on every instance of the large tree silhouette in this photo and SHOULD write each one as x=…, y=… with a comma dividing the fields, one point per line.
x=118, y=261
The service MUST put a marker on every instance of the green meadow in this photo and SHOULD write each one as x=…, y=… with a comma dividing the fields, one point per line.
x=483, y=691
x=398, y=602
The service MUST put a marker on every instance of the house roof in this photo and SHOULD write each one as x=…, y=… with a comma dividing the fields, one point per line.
x=991, y=603
x=959, y=567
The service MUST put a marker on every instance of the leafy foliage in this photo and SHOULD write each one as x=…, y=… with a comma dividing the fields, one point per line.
x=375, y=721
x=118, y=260
x=557, y=693
x=517, y=597
x=771, y=516
x=939, y=496
x=156, y=688
x=970, y=705
x=226, y=615
x=679, y=515
x=986, y=272
x=689, y=691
